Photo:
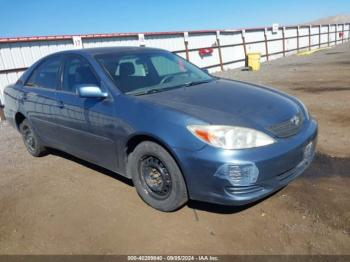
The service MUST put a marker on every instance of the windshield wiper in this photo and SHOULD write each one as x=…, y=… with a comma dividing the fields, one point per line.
x=146, y=92
x=157, y=90
x=31, y=84
x=193, y=83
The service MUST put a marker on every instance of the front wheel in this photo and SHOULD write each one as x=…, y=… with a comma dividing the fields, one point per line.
x=157, y=177
x=31, y=140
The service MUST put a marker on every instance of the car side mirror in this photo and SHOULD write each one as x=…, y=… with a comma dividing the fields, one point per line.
x=206, y=70
x=91, y=91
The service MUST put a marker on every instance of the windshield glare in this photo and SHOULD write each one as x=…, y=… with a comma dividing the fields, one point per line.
x=141, y=73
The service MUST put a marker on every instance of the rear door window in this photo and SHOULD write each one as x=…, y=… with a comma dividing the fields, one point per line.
x=46, y=75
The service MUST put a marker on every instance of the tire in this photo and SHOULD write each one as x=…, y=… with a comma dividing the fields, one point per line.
x=31, y=140
x=157, y=178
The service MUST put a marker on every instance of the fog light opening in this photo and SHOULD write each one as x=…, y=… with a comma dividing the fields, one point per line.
x=239, y=174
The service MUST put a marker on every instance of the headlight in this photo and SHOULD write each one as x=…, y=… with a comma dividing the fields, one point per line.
x=304, y=108
x=230, y=137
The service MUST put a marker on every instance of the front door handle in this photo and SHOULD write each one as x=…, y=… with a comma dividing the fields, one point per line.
x=31, y=96
x=24, y=97
x=60, y=104
x=28, y=96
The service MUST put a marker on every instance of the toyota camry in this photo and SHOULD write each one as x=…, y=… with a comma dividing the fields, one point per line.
x=178, y=132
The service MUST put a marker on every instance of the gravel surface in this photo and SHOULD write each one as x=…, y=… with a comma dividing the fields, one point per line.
x=59, y=204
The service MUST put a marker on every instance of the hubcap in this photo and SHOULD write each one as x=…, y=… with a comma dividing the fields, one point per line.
x=155, y=177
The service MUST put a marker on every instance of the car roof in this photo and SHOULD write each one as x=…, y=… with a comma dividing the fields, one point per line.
x=110, y=50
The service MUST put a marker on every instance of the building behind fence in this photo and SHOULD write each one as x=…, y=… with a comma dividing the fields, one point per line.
x=213, y=50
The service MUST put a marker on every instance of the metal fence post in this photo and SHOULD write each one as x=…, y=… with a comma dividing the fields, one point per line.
x=266, y=45
x=297, y=38
x=283, y=41
x=329, y=36
x=219, y=49
x=244, y=43
x=342, y=39
x=319, y=36
x=309, y=37
x=186, y=45
x=244, y=47
x=336, y=33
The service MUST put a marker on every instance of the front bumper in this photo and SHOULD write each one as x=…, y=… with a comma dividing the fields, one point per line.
x=278, y=164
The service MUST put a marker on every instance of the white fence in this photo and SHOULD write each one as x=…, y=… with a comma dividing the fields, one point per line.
x=214, y=50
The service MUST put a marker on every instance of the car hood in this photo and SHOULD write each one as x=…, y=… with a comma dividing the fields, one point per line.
x=225, y=102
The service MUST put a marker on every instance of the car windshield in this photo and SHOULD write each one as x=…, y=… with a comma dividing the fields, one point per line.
x=142, y=73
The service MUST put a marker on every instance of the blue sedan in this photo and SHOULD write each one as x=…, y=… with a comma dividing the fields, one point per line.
x=176, y=131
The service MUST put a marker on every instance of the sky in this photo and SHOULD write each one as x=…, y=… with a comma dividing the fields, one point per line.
x=57, y=17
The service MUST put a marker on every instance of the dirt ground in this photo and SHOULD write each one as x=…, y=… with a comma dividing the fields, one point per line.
x=61, y=205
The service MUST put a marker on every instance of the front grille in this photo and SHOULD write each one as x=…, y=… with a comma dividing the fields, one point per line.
x=287, y=128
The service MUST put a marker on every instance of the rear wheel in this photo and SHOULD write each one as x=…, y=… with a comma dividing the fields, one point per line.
x=157, y=177
x=31, y=140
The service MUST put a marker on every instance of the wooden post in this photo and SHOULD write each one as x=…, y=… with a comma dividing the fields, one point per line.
x=186, y=45
x=266, y=45
x=283, y=41
x=219, y=48
x=319, y=36
x=297, y=39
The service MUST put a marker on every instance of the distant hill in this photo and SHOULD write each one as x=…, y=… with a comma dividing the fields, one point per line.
x=337, y=19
